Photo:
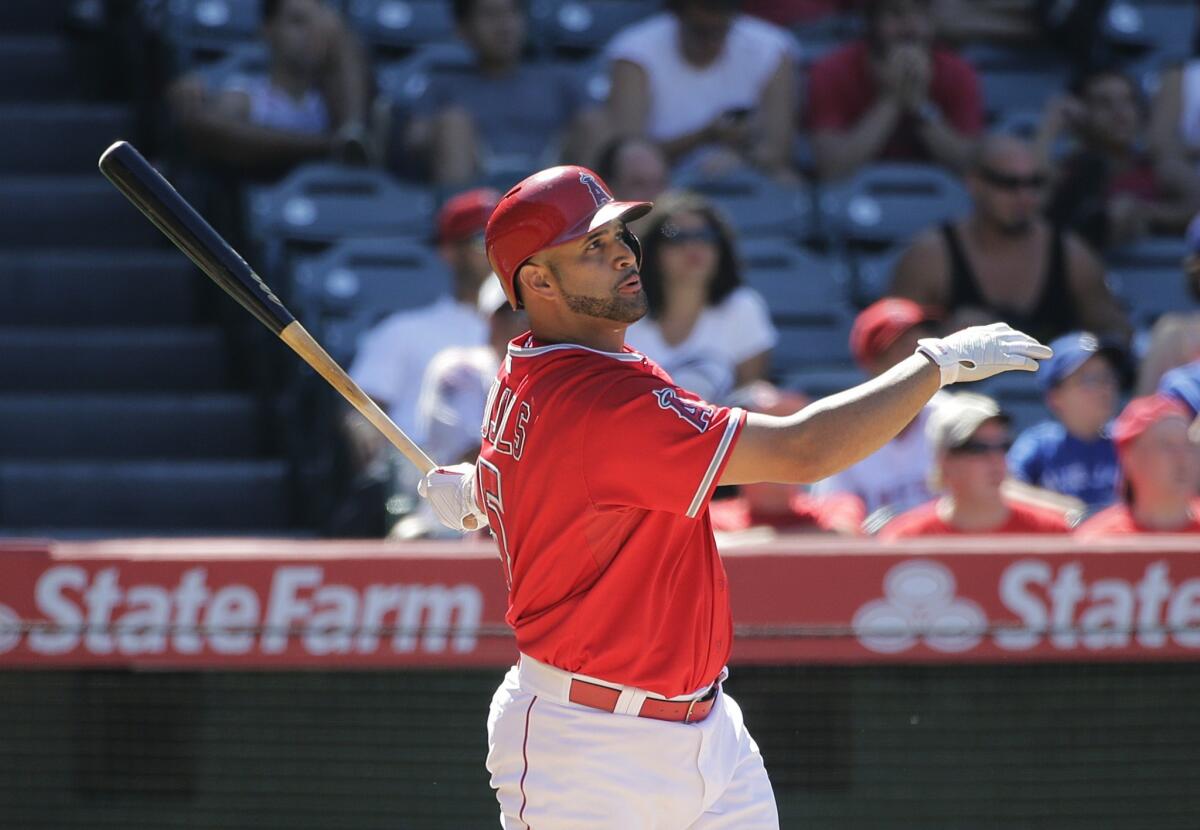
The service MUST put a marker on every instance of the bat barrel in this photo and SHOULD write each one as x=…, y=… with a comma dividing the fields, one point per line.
x=154, y=196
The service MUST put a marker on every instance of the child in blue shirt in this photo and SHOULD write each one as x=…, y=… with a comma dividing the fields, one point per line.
x=1074, y=454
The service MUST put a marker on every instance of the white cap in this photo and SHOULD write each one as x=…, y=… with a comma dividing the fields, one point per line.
x=491, y=296
x=954, y=420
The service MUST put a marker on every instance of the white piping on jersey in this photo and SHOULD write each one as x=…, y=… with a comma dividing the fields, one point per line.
x=522, y=351
x=731, y=428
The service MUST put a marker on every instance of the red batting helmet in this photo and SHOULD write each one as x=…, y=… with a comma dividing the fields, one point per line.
x=548, y=209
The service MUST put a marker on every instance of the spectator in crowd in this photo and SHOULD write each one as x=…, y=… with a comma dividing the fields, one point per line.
x=896, y=476
x=1175, y=120
x=708, y=85
x=969, y=434
x=1005, y=262
x=709, y=331
x=392, y=357
x=893, y=96
x=635, y=168
x=1175, y=338
x=1074, y=454
x=783, y=509
x=309, y=105
x=500, y=111
x=452, y=399
x=1158, y=470
x=1182, y=384
x=1109, y=189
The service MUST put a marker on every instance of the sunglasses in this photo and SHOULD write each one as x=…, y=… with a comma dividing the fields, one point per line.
x=982, y=447
x=1005, y=181
x=675, y=236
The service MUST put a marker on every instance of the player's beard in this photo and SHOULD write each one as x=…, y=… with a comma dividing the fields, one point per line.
x=620, y=308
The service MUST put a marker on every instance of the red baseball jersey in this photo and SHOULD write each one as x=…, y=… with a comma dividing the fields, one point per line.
x=596, y=471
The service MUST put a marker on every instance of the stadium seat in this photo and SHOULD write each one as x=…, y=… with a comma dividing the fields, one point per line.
x=1016, y=79
x=871, y=275
x=571, y=28
x=350, y=287
x=37, y=69
x=393, y=27
x=1148, y=276
x=201, y=31
x=886, y=204
x=34, y=211
x=755, y=204
x=58, y=138
x=134, y=288
x=221, y=496
x=820, y=382
x=1162, y=26
x=822, y=342
x=112, y=360
x=124, y=426
x=796, y=283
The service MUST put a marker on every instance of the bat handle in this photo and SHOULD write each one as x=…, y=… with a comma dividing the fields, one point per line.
x=296, y=336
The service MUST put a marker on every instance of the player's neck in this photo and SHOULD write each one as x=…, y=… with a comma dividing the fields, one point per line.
x=603, y=335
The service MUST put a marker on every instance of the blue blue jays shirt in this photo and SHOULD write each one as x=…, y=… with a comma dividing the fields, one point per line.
x=1048, y=456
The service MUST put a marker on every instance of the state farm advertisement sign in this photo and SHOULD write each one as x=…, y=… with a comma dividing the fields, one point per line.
x=360, y=605
x=324, y=609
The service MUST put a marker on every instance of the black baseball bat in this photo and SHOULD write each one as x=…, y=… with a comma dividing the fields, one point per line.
x=154, y=196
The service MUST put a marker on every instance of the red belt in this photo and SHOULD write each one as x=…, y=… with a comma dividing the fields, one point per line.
x=603, y=697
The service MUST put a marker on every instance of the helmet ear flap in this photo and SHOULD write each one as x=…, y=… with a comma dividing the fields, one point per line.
x=635, y=245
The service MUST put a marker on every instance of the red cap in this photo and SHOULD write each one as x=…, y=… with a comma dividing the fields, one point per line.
x=547, y=209
x=466, y=214
x=881, y=324
x=1142, y=413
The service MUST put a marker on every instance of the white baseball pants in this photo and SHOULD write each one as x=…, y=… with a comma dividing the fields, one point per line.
x=558, y=765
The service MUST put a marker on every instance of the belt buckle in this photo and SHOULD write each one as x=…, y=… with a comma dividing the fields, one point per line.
x=687, y=718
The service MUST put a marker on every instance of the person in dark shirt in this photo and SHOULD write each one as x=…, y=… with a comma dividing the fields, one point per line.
x=894, y=95
x=1005, y=262
x=1074, y=454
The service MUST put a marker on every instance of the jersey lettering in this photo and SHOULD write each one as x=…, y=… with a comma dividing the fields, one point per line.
x=496, y=422
x=697, y=416
x=599, y=195
x=488, y=478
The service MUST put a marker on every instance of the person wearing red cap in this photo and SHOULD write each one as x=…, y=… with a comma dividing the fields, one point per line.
x=595, y=475
x=1158, y=469
x=393, y=355
x=897, y=476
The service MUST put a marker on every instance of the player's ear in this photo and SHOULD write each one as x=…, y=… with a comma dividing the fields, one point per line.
x=536, y=280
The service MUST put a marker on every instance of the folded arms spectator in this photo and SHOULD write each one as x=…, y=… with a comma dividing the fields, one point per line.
x=310, y=104
x=892, y=96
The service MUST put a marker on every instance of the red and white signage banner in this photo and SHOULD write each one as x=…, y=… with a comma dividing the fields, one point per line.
x=254, y=604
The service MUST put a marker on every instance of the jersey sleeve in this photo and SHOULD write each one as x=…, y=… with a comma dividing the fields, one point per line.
x=652, y=445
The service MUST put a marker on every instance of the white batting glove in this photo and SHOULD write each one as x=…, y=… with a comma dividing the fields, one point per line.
x=979, y=352
x=451, y=493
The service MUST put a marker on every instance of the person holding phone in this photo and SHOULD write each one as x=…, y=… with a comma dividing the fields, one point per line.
x=709, y=85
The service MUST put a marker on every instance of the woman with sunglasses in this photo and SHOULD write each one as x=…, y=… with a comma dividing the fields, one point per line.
x=709, y=331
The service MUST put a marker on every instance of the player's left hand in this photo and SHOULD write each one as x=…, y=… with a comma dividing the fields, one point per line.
x=982, y=351
x=451, y=493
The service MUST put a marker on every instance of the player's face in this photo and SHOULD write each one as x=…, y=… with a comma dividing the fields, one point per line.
x=597, y=275
x=687, y=253
x=976, y=470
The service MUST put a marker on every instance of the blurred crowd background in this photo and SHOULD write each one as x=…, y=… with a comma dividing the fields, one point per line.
x=833, y=179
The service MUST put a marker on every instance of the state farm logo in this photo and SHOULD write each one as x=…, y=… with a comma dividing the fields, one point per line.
x=919, y=606
x=10, y=629
x=98, y=612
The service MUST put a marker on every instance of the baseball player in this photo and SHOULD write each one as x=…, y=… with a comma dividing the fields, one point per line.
x=594, y=475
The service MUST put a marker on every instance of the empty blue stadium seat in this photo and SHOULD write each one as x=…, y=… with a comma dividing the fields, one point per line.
x=353, y=285
x=36, y=68
x=324, y=203
x=871, y=275
x=70, y=212
x=59, y=138
x=817, y=343
x=1016, y=79
x=201, y=31
x=1164, y=26
x=1148, y=276
x=795, y=282
x=573, y=27
x=822, y=381
x=886, y=204
x=391, y=26
x=755, y=204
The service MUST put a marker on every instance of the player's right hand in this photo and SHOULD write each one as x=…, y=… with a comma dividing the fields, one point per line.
x=451, y=493
x=979, y=352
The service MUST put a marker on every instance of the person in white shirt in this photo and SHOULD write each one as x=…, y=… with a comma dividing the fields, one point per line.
x=702, y=78
x=392, y=357
x=709, y=331
x=453, y=397
x=896, y=476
